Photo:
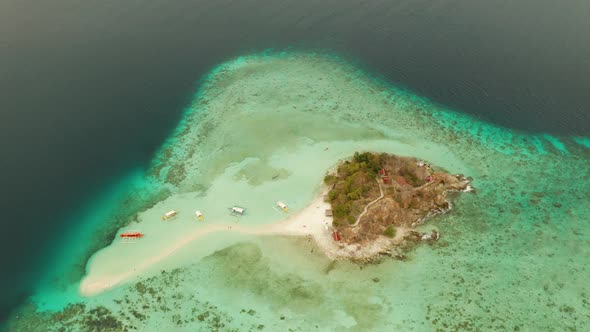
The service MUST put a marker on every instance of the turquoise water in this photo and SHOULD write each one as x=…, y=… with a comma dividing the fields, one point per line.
x=514, y=256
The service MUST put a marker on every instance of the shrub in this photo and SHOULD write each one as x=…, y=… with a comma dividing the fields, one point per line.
x=362, y=157
x=390, y=231
x=340, y=211
x=350, y=219
x=329, y=179
x=332, y=195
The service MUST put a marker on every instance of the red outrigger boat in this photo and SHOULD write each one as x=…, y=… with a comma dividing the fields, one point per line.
x=131, y=235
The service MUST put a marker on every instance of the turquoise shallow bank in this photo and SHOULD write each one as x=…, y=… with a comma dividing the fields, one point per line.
x=512, y=257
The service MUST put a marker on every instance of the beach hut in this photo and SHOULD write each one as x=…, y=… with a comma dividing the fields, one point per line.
x=238, y=210
x=386, y=179
x=199, y=215
x=283, y=206
x=336, y=235
x=328, y=213
x=384, y=174
x=169, y=214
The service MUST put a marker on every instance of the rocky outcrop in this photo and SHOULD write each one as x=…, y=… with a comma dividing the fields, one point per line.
x=412, y=191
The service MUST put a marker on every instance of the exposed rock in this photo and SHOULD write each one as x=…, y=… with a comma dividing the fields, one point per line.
x=430, y=237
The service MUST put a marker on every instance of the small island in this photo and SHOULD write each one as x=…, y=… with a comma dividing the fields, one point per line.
x=377, y=199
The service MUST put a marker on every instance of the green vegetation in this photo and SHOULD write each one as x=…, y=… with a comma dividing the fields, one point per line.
x=390, y=231
x=329, y=179
x=353, y=186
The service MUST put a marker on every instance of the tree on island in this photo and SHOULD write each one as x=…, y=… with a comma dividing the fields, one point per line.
x=390, y=231
x=353, y=186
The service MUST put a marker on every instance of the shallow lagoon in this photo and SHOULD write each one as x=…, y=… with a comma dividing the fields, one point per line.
x=512, y=257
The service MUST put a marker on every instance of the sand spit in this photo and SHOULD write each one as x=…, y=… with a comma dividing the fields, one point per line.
x=310, y=221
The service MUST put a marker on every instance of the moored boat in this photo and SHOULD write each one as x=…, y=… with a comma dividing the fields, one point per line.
x=283, y=206
x=237, y=210
x=169, y=214
x=131, y=235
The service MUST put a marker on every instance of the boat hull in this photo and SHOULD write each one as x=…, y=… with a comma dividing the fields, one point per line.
x=131, y=235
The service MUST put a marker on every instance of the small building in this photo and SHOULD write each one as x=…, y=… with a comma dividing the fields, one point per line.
x=386, y=179
x=329, y=213
x=336, y=235
x=384, y=175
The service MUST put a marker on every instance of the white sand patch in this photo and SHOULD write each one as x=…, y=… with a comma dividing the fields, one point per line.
x=309, y=221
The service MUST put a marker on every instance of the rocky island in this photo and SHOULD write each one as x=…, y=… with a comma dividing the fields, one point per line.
x=377, y=199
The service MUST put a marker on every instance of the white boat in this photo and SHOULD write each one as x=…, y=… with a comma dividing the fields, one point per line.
x=169, y=214
x=283, y=206
x=238, y=210
x=199, y=215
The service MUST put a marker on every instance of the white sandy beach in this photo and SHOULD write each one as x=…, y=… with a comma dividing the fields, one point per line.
x=310, y=221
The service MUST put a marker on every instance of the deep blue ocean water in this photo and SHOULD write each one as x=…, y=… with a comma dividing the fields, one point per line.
x=89, y=90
